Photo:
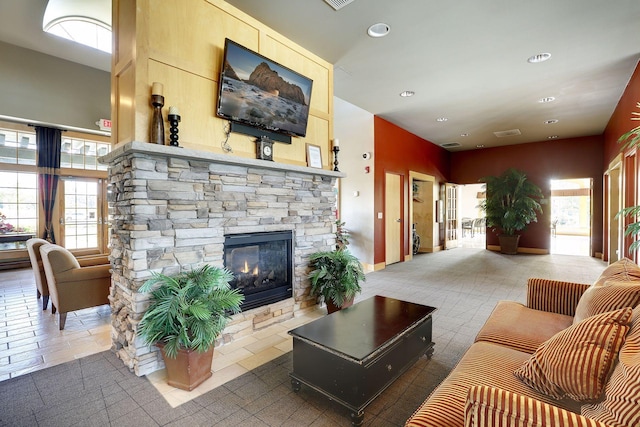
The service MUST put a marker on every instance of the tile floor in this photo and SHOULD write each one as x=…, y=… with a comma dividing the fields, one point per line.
x=464, y=284
x=30, y=339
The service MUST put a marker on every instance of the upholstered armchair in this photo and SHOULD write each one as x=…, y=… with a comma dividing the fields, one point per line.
x=72, y=286
x=42, y=288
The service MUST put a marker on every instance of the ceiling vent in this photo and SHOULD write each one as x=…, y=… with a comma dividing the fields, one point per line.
x=505, y=133
x=338, y=4
x=450, y=145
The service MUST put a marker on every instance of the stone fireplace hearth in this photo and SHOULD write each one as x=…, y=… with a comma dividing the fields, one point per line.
x=171, y=209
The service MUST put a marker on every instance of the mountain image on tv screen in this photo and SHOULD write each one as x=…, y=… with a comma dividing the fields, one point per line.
x=262, y=93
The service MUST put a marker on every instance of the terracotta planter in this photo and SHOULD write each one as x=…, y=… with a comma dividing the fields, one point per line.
x=331, y=307
x=509, y=244
x=189, y=369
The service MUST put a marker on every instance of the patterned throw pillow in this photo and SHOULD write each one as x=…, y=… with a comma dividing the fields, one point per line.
x=621, y=404
x=611, y=296
x=623, y=270
x=576, y=362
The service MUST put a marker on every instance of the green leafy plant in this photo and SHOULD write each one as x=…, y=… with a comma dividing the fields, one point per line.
x=342, y=235
x=188, y=310
x=336, y=276
x=629, y=140
x=512, y=201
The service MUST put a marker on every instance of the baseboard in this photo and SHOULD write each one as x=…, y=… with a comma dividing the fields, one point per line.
x=534, y=251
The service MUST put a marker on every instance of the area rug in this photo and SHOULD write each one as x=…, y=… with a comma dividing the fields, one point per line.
x=99, y=390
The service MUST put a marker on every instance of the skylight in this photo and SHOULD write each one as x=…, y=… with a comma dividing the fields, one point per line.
x=86, y=31
x=87, y=22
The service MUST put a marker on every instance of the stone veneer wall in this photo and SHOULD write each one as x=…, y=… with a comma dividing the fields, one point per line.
x=171, y=208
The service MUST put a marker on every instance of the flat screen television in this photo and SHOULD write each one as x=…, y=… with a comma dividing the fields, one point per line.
x=261, y=93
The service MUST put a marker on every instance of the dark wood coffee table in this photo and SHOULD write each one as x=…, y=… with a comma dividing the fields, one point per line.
x=353, y=355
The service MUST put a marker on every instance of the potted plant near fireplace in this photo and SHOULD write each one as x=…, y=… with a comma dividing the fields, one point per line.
x=188, y=311
x=512, y=204
x=335, y=278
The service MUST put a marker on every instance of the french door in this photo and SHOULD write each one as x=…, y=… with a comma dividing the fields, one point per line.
x=451, y=216
x=83, y=214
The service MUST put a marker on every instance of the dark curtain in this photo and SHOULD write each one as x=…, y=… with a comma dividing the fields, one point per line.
x=48, y=141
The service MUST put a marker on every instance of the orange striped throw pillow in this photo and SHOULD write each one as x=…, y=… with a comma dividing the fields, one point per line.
x=621, y=404
x=576, y=362
x=622, y=270
x=611, y=296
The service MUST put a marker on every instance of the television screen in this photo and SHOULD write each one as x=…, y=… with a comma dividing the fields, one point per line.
x=262, y=93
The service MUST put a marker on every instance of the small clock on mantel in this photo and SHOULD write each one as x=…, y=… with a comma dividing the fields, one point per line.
x=264, y=149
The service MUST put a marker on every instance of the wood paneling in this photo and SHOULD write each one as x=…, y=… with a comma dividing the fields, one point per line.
x=180, y=44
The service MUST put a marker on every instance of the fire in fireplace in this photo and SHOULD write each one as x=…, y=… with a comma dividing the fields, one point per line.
x=262, y=266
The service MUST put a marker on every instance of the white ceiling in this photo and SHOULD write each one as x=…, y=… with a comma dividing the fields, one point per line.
x=465, y=60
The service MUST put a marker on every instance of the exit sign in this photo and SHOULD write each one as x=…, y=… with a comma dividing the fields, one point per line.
x=104, y=125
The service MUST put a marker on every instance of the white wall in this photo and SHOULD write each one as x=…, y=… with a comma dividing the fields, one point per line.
x=353, y=126
x=40, y=87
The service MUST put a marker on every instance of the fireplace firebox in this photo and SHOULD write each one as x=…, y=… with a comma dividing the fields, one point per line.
x=262, y=266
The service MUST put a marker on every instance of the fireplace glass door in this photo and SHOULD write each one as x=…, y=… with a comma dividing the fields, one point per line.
x=262, y=265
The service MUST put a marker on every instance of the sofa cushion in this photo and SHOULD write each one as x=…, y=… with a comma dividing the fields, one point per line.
x=576, y=362
x=612, y=295
x=621, y=404
x=484, y=363
x=522, y=328
x=623, y=270
x=490, y=407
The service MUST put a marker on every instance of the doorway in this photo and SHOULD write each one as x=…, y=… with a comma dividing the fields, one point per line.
x=570, y=232
x=83, y=214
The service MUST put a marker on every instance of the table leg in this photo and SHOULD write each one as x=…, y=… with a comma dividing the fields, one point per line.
x=295, y=385
x=429, y=353
x=357, y=418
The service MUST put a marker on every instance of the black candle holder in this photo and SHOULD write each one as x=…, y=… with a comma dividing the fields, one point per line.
x=174, y=119
x=335, y=158
x=157, y=123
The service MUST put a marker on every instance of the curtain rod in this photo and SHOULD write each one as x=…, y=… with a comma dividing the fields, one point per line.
x=48, y=126
x=34, y=123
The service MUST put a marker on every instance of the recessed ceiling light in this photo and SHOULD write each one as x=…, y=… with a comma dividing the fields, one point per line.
x=547, y=99
x=552, y=137
x=378, y=30
x=551, y=121
x=441, y=119
x=407, y=93
x=541, y=57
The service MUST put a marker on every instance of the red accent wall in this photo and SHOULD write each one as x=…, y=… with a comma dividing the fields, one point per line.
x=620, y=121
x=399, y=151
x=542, y=162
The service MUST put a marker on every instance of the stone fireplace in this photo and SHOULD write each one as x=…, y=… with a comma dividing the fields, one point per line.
x=174, y=209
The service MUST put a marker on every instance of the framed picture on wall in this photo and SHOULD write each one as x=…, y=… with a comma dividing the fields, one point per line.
x=314, y=156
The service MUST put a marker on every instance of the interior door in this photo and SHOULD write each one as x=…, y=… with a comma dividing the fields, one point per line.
x=451, y=216
x=393, y=218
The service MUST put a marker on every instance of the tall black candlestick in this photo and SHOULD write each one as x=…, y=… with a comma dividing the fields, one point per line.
x=335, y=158
x=174, y=119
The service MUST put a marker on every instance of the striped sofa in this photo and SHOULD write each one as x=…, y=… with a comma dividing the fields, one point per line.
x=569, y=357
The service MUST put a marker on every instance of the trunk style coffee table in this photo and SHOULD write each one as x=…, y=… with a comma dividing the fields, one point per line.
x=354, y=354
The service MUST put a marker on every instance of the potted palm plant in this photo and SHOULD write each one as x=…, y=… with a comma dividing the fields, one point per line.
x=186, y=315
x=335, y=278
x=512, y=203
